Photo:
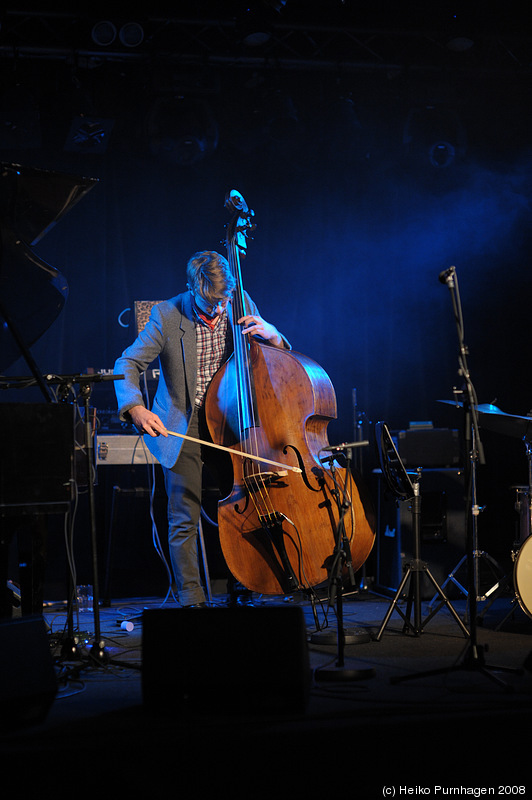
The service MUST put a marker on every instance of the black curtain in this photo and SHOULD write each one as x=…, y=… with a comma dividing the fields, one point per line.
x=354, y=224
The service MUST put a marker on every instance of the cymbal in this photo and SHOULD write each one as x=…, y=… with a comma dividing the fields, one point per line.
x=492, y=418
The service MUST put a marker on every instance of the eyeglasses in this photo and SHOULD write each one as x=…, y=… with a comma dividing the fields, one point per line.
x=211, y=309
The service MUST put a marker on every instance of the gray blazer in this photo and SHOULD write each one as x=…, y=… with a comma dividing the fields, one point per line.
x=170, y=336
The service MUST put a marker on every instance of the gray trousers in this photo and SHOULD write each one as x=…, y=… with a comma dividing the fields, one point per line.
x=184, y=489
x=183, y=484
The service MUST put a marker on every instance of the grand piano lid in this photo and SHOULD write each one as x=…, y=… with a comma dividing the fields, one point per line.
x=33, y=200
x=32, y=293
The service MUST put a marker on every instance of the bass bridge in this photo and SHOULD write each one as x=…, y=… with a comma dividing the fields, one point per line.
x=254, y=482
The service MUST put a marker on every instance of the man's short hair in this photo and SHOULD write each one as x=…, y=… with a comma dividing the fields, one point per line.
x=210, y=276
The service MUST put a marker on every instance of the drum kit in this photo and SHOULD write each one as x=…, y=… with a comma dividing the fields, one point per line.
x=492, y=418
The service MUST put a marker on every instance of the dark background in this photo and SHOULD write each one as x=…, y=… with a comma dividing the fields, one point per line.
x=376, y=149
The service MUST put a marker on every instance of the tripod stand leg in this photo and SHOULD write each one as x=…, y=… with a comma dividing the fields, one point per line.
x=513, y=606
x=393, y=604
x=451, y=577
x=444, y=602
x=473, y=662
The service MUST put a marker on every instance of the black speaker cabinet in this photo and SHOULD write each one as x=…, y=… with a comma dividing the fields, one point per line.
x=430, y=447
x=28, y=683
x=243, y=660
x=37, y=453
x=442, y=530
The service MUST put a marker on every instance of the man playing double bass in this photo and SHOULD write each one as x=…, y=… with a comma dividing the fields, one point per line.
x=192, y=336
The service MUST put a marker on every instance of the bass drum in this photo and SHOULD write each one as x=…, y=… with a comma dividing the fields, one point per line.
x=523, y=576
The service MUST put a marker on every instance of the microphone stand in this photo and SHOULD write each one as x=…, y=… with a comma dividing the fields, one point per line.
x=340, y=558
x=97, y=651
x=474, y=659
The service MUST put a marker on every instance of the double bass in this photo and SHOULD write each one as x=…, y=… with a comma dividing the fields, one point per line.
x=270, y=408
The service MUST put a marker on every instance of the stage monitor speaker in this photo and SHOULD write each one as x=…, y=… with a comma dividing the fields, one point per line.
x=37, y=453
x=244, y=660
x=28, y=683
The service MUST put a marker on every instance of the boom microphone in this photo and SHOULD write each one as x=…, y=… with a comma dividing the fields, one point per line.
x=446, y=274
x=345, y=446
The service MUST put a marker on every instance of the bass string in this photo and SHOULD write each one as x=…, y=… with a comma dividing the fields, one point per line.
x=246, y=412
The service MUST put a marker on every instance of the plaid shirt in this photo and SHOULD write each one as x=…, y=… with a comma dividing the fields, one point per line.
x=214, y=344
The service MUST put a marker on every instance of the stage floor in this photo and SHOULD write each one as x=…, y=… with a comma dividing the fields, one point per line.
x=377, y=724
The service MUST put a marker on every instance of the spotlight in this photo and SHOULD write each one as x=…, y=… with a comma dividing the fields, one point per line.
x=103, y=33
x=442, y=154
x=460, y=44
x=131, y=34
x=257, y=36
x=256, y=21
x=434, y=134
x=88, y=135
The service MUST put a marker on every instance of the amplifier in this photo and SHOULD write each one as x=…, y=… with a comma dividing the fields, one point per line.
x=429, y=447
x=109, y=423
x=124, y=449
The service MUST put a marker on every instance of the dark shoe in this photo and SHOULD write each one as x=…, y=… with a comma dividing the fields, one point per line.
x=198, y=605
